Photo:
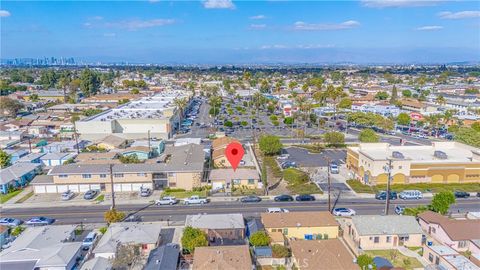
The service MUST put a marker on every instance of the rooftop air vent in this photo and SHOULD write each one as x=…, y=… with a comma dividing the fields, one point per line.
x=440, y=155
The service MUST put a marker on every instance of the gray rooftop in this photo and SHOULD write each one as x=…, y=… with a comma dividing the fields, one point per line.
x=377, y=224
x=163, y=258
x=16, y=171
x=97, y=263
x=215, y=221
x=128, y=232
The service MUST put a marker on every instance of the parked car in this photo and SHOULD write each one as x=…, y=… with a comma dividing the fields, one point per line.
x=461, y=194
x=382, y=195
x=251, y=199
x=67, y=195
x=133, y=218
x=478, y=194
x=343, y=212
x=40, y=221
x=145, y=192
x=195, y=200
x=283, y=198
x=410, y=194
x=289, y=164
x=277, y=210
x=399, y=209
x=334, y=168
x=11, y=222
x=168, y=200
x=283, y=157
x=90, y=194
x=305, y=197
x=89, y=240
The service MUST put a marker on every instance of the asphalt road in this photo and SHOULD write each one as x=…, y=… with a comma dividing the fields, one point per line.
x=177, y=213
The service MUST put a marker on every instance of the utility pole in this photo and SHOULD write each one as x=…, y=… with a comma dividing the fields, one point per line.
x=329, y=185
x=388, y=169
x=112, y=188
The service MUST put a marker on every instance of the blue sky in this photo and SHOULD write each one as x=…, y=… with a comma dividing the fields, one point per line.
x=223, y=31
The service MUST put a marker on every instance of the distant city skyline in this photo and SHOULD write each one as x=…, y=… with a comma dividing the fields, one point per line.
x=243, y=32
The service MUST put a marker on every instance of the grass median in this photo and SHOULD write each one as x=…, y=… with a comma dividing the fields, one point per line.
x=299, y=182
x=358, y=187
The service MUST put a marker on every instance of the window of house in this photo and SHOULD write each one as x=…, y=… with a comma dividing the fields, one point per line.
x=462, y=244
x=285, y=231
x=144, y=246
x=86, y=176
x=63, y=176
x=389, y=239
x=376, y=239
x=430, y=257
x=434, y=230
x=171, y=174
x=118, y=175
x=236, y=181
x=103, y=176
x=141, y=174
x=251, y=181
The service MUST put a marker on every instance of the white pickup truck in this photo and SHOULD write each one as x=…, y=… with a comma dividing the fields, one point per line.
x=195, y=200
x=166, y=201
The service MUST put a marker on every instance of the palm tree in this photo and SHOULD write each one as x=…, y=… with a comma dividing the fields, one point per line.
x=432, y=121
x=180, y=104
x=440, y=100
x=447, y=117
x=334, y=94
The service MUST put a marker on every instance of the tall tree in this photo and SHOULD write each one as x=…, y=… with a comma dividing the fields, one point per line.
x=90, y=82
x=4, y=159
x=394, y=96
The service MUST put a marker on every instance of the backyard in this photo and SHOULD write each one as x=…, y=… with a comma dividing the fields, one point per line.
x=396, y=258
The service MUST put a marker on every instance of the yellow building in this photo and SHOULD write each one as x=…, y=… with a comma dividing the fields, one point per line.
x=240, y=178
x=302, y=225
x=441, y=162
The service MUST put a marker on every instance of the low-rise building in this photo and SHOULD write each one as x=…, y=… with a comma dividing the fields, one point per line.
x=222, y=257
x=56, y=158
x=381, y=109
x=321, y=254
x=441, y=162
x=146, y=235
x=302, y=225
x=112, y=142
x=43, y=248
x=221, y=229
x=457, y=234
x=384, y=232
x=165, y=257
x=240, y=178
x=444, y=257
x=17, y=175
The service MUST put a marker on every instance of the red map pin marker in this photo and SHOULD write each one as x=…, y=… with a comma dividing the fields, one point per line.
x=234, y=153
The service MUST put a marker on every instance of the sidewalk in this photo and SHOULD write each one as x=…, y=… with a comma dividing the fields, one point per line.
x=410, y=253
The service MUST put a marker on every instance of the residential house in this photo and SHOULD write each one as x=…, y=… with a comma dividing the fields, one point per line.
x=444, y=257
x=240, y=178
x=221, y=229
x=17, y=175
x=165, y=257
x=457, y=234
x=218, y=154
x=222, y=257
x=384, y=232
x=142, y=152
x=97, y=158
x=302, y=225
x=321, y=254
x=32, y=158
x=64, y=146
x=113, y=142
x=97, y=263
x=56, y=158
x=43, y=248
x=16, y=154
x=144, y=234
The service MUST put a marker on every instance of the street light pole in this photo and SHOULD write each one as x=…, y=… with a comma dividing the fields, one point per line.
x=388, y=169
x=112, y=188
x=329, y=185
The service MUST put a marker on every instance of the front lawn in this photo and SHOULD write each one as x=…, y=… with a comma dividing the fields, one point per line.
x=5, y=197
x=396, y=258
x=184, y=194
x=424, y=187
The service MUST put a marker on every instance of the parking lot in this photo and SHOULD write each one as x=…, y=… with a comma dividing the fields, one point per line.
x=303, y=158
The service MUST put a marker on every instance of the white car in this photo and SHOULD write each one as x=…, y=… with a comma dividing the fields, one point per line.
x=67, y=195
x=277, y=210
x=166, y=201
x=12, y=222
x=343, y=212
x=283, y=157
x=195, y=200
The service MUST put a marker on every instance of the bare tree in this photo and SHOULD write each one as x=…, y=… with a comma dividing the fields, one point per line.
x=126, y=255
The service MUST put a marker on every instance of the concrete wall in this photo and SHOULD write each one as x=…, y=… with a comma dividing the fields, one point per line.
x=300, y=232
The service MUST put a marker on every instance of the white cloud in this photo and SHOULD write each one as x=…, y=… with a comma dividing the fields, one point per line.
x=257, y=17
x=109, y=35
x=429, y=28
x=218, y=4
x=139, y=24
x=97, y=18
x=314, y=46
x=303, y=26
x=398, y=3
x=459, y=15
x=258, y=26
x=4, y=13
x=276, y=46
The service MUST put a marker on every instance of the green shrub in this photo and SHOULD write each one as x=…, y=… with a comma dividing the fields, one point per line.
x=259, y=239
x=193, y=238
x=279, y=251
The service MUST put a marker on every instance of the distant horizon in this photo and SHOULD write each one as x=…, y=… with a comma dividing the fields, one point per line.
x=243, y=32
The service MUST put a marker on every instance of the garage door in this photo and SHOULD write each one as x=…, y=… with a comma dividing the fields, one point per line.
x=136, y=187
x=39, y=189
x=117, y=187
x=51, y=189
x=62, y=188
x=126, y=187
x=73, y=188
x=84, y=188
x=95, y=186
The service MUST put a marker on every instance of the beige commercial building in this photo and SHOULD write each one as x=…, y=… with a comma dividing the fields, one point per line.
x=441, y=162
